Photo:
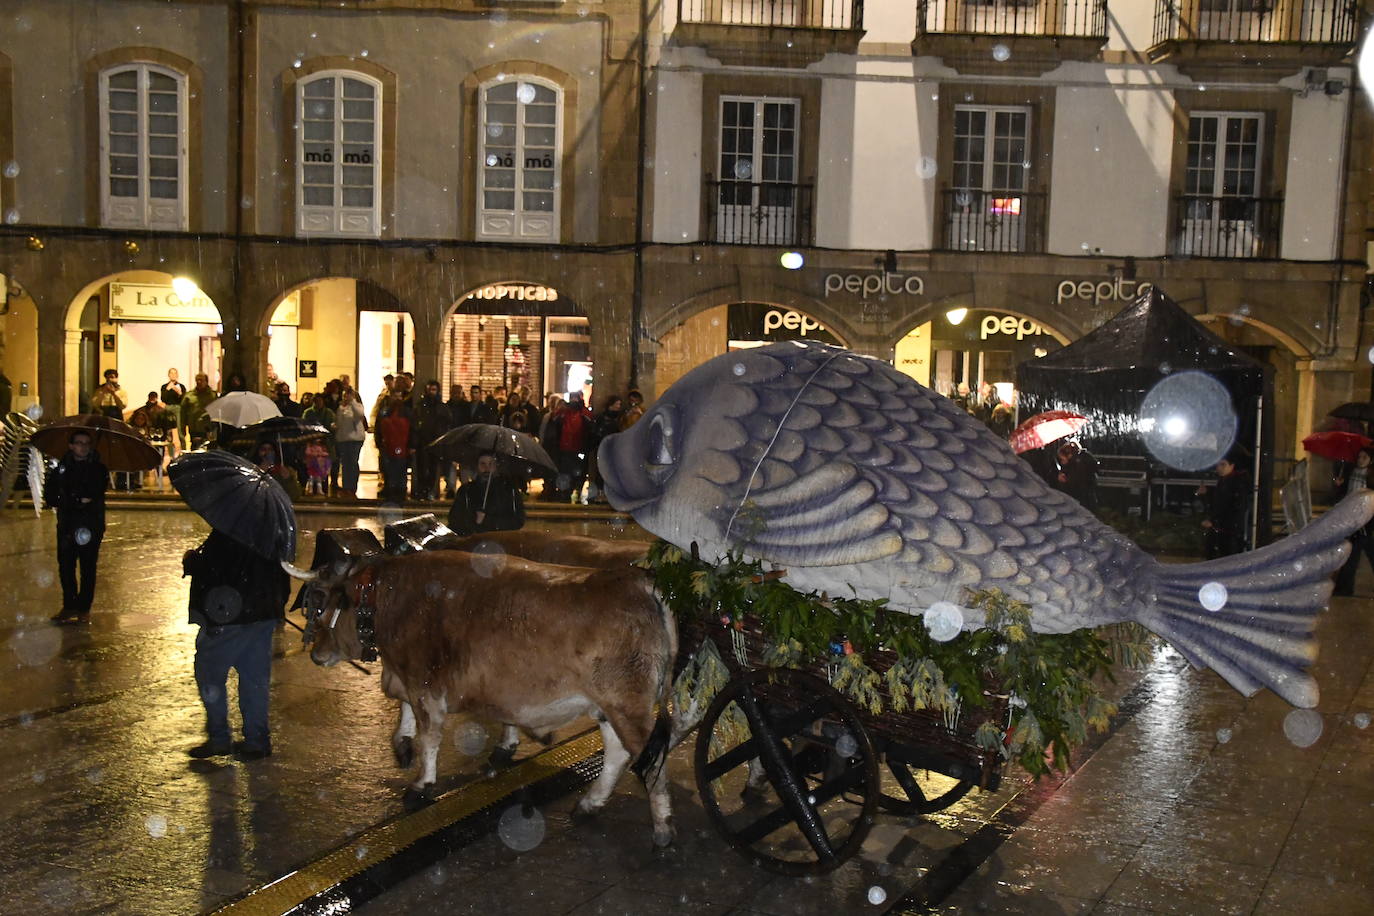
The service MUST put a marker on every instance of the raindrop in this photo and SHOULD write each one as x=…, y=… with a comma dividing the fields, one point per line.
x=963, y=198
x=26, y=718
x=810, y=799
x=488, y=559
x=363, y=52
x=1213, y=596
x=95, y=776
x=433, y=589
x=927, y=167
x=525, y=93
x=1000, y=52
x=743, y=169
x=1303, y=727
x=492, y=161
x=436, y=875
x=296, y=63
x=22, y=24
x=360, y=852
x=943, y=620
x=36, y=647
x=1223, y=735
x=470, y=739
x=1361, y=720
x=223, y=604
x=11, y=169
x=582, y=12
x=1370, y=355
x=314, y=34
x=11, y=216
x=876, y=895
x=500, y=77
x=82, y=536
x=156, y=825
x=246, y=203
x=39, y=776
x=737, y=368
x=43, y=577
x=499, y=16
x=519, y=831
x=846, y=746
x=1187, y=421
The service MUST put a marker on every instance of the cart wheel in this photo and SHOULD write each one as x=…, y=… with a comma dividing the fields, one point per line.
x=787, y=772
x=919, y=791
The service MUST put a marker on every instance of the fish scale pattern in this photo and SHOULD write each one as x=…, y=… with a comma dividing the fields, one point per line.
x=967, y=511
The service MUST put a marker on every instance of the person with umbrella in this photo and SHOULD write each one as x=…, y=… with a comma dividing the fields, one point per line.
x=488, y=502
x=238, y=592
x=76, y=489
x=1362, y=541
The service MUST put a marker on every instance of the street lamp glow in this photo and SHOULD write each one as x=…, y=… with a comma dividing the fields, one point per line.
x=792, y=260
x=185, y=288
x=955, y=316
x=1175, y=427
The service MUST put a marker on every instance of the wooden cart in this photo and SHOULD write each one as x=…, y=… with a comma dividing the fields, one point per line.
x=791, y=772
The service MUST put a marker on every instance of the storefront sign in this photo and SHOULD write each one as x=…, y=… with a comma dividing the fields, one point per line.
x=1118, y=290
x=875, y=284
x=518, y=292
x=791, y=319
x=143, y=302
x=1008, y=324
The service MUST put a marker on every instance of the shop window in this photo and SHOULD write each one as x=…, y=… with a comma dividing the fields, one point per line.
x=520, y=151
x=988, y=207
x=143, y=157
x=338, y=157
x=1222, y=214
x=758, y=199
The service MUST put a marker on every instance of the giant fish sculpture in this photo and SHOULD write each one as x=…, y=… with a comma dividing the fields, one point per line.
x=860, y=481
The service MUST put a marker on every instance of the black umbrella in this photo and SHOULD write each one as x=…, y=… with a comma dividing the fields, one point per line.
x=239, y=499
x=516, y=452
x=283, y=430
x=118, y=444
x=1355, y=410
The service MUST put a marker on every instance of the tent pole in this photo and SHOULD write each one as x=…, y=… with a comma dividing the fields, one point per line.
x=1255, y=474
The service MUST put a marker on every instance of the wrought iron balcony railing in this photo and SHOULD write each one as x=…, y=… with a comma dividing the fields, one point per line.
x=1058, y=18
x=1227, y=227
x=1304, y=21
x=758, y=212
x=799, y=14
x=994, y=220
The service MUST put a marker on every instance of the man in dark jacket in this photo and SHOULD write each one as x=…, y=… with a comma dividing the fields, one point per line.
x=1223, y=528
x=76, y=489
x=431, y=422
x=237, y=598
x=488, y=502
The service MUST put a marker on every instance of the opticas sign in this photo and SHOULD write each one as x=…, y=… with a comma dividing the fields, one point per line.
x=1118, y=290
x=875, y=284
x=521, y=293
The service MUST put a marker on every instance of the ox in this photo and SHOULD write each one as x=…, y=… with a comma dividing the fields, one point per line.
x=562, y=549
x=522, y=643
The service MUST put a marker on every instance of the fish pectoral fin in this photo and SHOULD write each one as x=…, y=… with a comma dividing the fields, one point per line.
x=837, y=553
x=827, y=517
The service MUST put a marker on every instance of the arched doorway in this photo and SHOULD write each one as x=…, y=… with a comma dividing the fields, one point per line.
x=18, y=346
x=733, y=326
x=517, y=334
x=142, y=323
x=976, y=347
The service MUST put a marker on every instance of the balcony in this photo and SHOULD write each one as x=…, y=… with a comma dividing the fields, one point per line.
x=1219, y=39
x=1010, y=37
x=770, y=33
x=1227, y=227
x=758, y=213
x=1003, y=221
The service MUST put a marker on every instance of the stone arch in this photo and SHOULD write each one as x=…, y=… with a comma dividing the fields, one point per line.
x=678, y=314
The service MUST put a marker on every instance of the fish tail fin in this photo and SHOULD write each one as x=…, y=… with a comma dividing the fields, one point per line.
x=1266, y=603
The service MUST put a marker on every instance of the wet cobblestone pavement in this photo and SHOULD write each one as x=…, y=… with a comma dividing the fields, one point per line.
x=1198, y=802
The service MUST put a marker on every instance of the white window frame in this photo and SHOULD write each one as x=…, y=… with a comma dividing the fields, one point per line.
x=1215, y=223
x=770, y=216
x=993, y=215
x=143, y=211
x=517, y=224
x=339, y=219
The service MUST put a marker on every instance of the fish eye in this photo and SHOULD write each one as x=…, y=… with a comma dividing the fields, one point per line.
x=660, y=451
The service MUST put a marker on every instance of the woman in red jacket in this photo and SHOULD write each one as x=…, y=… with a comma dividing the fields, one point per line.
x=393, y=446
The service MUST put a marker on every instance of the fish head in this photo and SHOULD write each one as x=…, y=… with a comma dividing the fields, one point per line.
x=683, y=470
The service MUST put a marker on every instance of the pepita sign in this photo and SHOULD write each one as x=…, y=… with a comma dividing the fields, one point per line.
x=1117, y=290
x=1008, y=324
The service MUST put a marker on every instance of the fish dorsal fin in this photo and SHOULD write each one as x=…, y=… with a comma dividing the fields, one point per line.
x=828, y=516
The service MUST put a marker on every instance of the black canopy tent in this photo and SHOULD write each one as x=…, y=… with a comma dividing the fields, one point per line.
x=1107, y=374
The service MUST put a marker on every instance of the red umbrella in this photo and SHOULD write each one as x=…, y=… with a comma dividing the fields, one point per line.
x=1044, y=428
x=1336, y=445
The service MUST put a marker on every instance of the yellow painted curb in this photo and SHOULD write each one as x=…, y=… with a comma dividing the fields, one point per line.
x=387, y=840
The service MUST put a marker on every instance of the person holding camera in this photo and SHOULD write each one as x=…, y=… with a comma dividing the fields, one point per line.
x=106, y=399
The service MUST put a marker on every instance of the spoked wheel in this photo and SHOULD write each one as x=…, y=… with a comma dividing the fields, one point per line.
x=920, y=783
x=787, y=772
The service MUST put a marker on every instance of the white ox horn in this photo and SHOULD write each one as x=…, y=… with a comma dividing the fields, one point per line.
x=296, y=572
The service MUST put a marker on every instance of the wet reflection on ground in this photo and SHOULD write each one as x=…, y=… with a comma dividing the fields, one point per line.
x=1198, y=803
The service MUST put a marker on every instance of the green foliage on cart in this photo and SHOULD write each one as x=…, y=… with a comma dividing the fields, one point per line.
x=887, y=661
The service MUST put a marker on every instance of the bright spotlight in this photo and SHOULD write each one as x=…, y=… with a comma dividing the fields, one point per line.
x=185, y=288
x=955, y=316
x=792, y=260
x=1175, y=427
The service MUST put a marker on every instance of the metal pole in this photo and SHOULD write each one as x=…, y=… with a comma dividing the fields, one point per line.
x=1255, y=474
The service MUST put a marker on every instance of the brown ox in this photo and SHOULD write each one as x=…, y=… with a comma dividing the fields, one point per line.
x=522, y=643
x=562, y=549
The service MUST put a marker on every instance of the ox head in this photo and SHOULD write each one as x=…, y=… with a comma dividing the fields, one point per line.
x=338, y=611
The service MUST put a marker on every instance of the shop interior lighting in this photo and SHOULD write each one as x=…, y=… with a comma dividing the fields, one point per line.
x=954, y=316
